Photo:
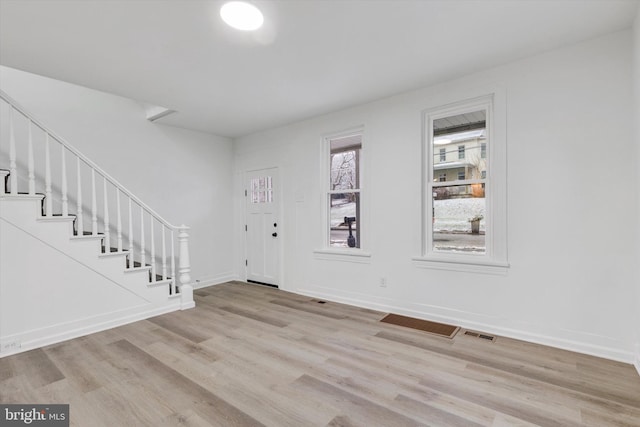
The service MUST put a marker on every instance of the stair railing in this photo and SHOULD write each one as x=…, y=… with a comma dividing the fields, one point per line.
x=112, y=192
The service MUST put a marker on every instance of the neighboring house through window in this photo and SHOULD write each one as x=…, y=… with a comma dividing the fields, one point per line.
x=464, y=200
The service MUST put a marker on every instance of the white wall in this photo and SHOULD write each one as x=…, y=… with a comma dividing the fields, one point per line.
x=636, y=78
x=572, y=212
x=39, y=302
x=185, y=176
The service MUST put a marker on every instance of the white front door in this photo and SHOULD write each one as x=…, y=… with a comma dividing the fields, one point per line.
x=263, y=226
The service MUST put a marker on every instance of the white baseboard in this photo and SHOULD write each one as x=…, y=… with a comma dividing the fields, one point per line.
x=636, y=363
x=480, y=323
x=57, y=333
x=203, y=282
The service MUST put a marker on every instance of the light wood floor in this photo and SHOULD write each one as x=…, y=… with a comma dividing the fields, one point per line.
x=251, y=355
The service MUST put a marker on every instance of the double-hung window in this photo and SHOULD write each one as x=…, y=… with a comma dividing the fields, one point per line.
x=465, y=214
x=344, y=191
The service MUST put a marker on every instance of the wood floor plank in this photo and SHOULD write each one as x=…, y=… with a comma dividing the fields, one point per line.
x=308, y=307
x=341, y=421
x=356, y=407
x=436, y=416
x=255, y=316
x=205, y=403
x=36, y=366
x=254, y=355
x=171, y=322
x=499, y=402
x=17, y=389
x=77, y=366
x=513, y=366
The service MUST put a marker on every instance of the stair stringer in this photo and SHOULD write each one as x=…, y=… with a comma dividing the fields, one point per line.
x=42, y=262
x=58, y=233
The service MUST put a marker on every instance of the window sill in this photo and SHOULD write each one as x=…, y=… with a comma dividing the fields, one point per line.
x=462, y=265
x=346, y=255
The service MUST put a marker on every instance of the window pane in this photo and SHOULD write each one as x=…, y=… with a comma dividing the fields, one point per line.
x=460, y=146
x=343, y=171
x=261, y=190
x=459, y=218
x=345, y=158
x=344, y=211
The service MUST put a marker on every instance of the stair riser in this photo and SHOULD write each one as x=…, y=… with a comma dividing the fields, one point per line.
x=23, y=214
x=3, y=181
x=53, y=233
x=29, y=207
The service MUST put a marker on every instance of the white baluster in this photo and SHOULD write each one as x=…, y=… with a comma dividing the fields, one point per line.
x=143, y=255
x=47, y=177
x=119, y=220
x=107, y=232
x=173, y=265
x=30, y=162
x=184, y=264
x=13, y=170
x=164, y=254
x=94, y=204
x=63, y=185
x=130, y=235
x=186, y=288
x=79, y=213
x=153, y=252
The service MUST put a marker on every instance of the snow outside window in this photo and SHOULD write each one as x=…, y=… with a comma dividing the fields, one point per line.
x=464, y=194
x=344, y=191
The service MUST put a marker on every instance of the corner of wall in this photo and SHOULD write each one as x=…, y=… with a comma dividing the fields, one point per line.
x=636, y=77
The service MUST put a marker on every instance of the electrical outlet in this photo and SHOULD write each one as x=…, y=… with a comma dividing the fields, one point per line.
x=11, y=345
x=383, y=282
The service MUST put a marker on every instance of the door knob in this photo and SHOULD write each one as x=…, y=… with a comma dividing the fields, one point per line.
x=274, y=234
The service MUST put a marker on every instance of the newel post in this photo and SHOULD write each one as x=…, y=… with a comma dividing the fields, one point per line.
x=184, y=268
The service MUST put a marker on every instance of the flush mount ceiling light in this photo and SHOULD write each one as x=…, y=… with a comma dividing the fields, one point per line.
x=241, y=15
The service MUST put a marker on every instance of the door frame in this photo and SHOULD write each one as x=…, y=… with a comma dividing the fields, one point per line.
x=277, y=194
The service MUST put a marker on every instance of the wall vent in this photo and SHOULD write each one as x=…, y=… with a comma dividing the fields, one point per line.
x=480, y=335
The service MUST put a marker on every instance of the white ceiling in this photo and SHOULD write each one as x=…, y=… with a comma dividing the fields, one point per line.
x=310, y=58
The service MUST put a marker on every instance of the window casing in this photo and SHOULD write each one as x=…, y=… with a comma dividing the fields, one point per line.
x=464, y=218
x=344, y=192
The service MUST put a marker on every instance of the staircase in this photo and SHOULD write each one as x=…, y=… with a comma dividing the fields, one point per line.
x=57, y=203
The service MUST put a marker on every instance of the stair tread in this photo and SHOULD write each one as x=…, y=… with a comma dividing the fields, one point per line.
x=112, y=250
x=153, y=279
x=57, y=217
x=8, y=193
x=88, y=236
